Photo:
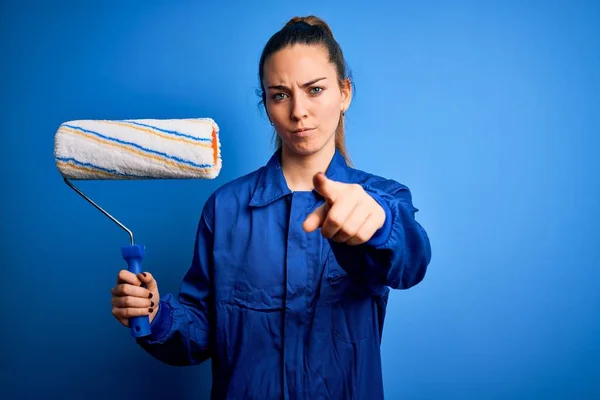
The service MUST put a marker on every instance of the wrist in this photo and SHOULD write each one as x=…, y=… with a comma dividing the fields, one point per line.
x=384, y=215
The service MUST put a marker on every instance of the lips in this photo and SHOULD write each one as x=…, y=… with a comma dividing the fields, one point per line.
x=302, y=130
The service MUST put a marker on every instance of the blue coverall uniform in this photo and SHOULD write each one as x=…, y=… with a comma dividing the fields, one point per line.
x=281, y=313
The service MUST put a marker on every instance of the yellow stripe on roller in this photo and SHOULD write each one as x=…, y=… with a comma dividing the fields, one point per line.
x=69, y=166
x=160, y=134
x=161, y=160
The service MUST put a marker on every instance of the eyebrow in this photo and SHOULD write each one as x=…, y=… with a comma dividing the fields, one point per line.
x=282, y=87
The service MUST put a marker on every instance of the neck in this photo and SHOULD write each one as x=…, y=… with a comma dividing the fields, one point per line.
x=300, y=170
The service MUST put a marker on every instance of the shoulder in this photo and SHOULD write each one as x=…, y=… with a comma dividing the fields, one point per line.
x=374, y=181
x=233, y=193
x=238, y=187
x=383, y=188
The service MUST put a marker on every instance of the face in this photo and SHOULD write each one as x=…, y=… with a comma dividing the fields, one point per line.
x=304, y=99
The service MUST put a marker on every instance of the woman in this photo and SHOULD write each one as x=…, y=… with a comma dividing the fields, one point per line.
x=293, y=262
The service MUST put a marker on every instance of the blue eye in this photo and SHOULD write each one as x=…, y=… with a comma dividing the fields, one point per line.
x=279, y=96
x=316, y=90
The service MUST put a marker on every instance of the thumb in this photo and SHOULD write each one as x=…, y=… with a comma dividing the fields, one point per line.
x=148, y=280
x=316, y=218
x=325, y=187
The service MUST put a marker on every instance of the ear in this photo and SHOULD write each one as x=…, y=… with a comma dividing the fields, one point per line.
x=346, y=91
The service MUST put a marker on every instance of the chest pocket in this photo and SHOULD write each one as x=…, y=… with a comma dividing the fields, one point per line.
x=258, y=281
x=250, y=264
x=352, y=305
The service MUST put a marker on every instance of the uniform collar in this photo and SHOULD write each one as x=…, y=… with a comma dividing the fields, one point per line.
x=271, y=183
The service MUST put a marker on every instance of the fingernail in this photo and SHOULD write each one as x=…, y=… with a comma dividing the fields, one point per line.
x=150, y=310
x=150, y=295
x=151, y=304
x=143, y=273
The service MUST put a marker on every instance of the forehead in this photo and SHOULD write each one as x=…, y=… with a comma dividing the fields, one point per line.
x=298, y=63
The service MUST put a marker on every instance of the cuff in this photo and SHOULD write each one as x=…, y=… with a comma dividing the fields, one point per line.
x=383, y=233
x=161, y=323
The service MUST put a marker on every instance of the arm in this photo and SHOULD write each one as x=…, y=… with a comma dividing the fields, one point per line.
x=398, y=254
x=181, y=329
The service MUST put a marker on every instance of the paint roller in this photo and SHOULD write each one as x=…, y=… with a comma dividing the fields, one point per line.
x=136, y=149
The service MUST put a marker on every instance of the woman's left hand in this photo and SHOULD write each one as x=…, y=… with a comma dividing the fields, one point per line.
x=349, y=215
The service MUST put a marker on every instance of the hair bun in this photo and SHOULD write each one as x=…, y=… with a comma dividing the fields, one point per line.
x=312, y=21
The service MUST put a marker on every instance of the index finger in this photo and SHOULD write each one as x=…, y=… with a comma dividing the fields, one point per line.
x=325, y=187
x=126, y=276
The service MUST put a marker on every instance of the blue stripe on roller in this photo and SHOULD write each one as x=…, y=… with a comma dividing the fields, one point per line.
x=90, y=165
x=174, y=158
x=169, y=131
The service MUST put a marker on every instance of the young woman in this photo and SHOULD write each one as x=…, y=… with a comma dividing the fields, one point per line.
x=288, y=286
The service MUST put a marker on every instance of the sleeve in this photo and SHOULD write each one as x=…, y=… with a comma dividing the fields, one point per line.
x=181, y=330
x=399, y=253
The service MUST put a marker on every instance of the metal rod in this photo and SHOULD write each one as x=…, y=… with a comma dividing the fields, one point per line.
x=100, y=208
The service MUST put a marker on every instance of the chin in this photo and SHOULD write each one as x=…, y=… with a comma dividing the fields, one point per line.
x=307, y=147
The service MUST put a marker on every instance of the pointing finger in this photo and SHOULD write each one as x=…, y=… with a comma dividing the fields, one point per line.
x=325, y=187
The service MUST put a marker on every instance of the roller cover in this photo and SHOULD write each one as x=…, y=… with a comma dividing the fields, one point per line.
x=138, y=149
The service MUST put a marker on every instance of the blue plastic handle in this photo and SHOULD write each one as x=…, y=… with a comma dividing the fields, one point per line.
x=139, y=326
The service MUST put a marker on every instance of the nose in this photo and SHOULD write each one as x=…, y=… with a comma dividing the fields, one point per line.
x=299, y=109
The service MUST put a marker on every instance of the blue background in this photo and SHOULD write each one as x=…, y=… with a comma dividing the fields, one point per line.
x=488, y=112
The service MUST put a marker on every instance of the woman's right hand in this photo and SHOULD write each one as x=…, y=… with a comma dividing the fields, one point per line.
x=134, y=296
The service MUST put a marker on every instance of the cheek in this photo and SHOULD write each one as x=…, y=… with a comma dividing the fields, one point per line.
x=276, y=111
x=329, y=111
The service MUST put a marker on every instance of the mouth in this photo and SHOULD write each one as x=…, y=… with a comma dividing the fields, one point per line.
x=302, y=130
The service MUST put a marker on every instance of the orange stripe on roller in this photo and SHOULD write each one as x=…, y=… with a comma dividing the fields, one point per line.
x=159, y=134
x=68, y=166
x=215, y=147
